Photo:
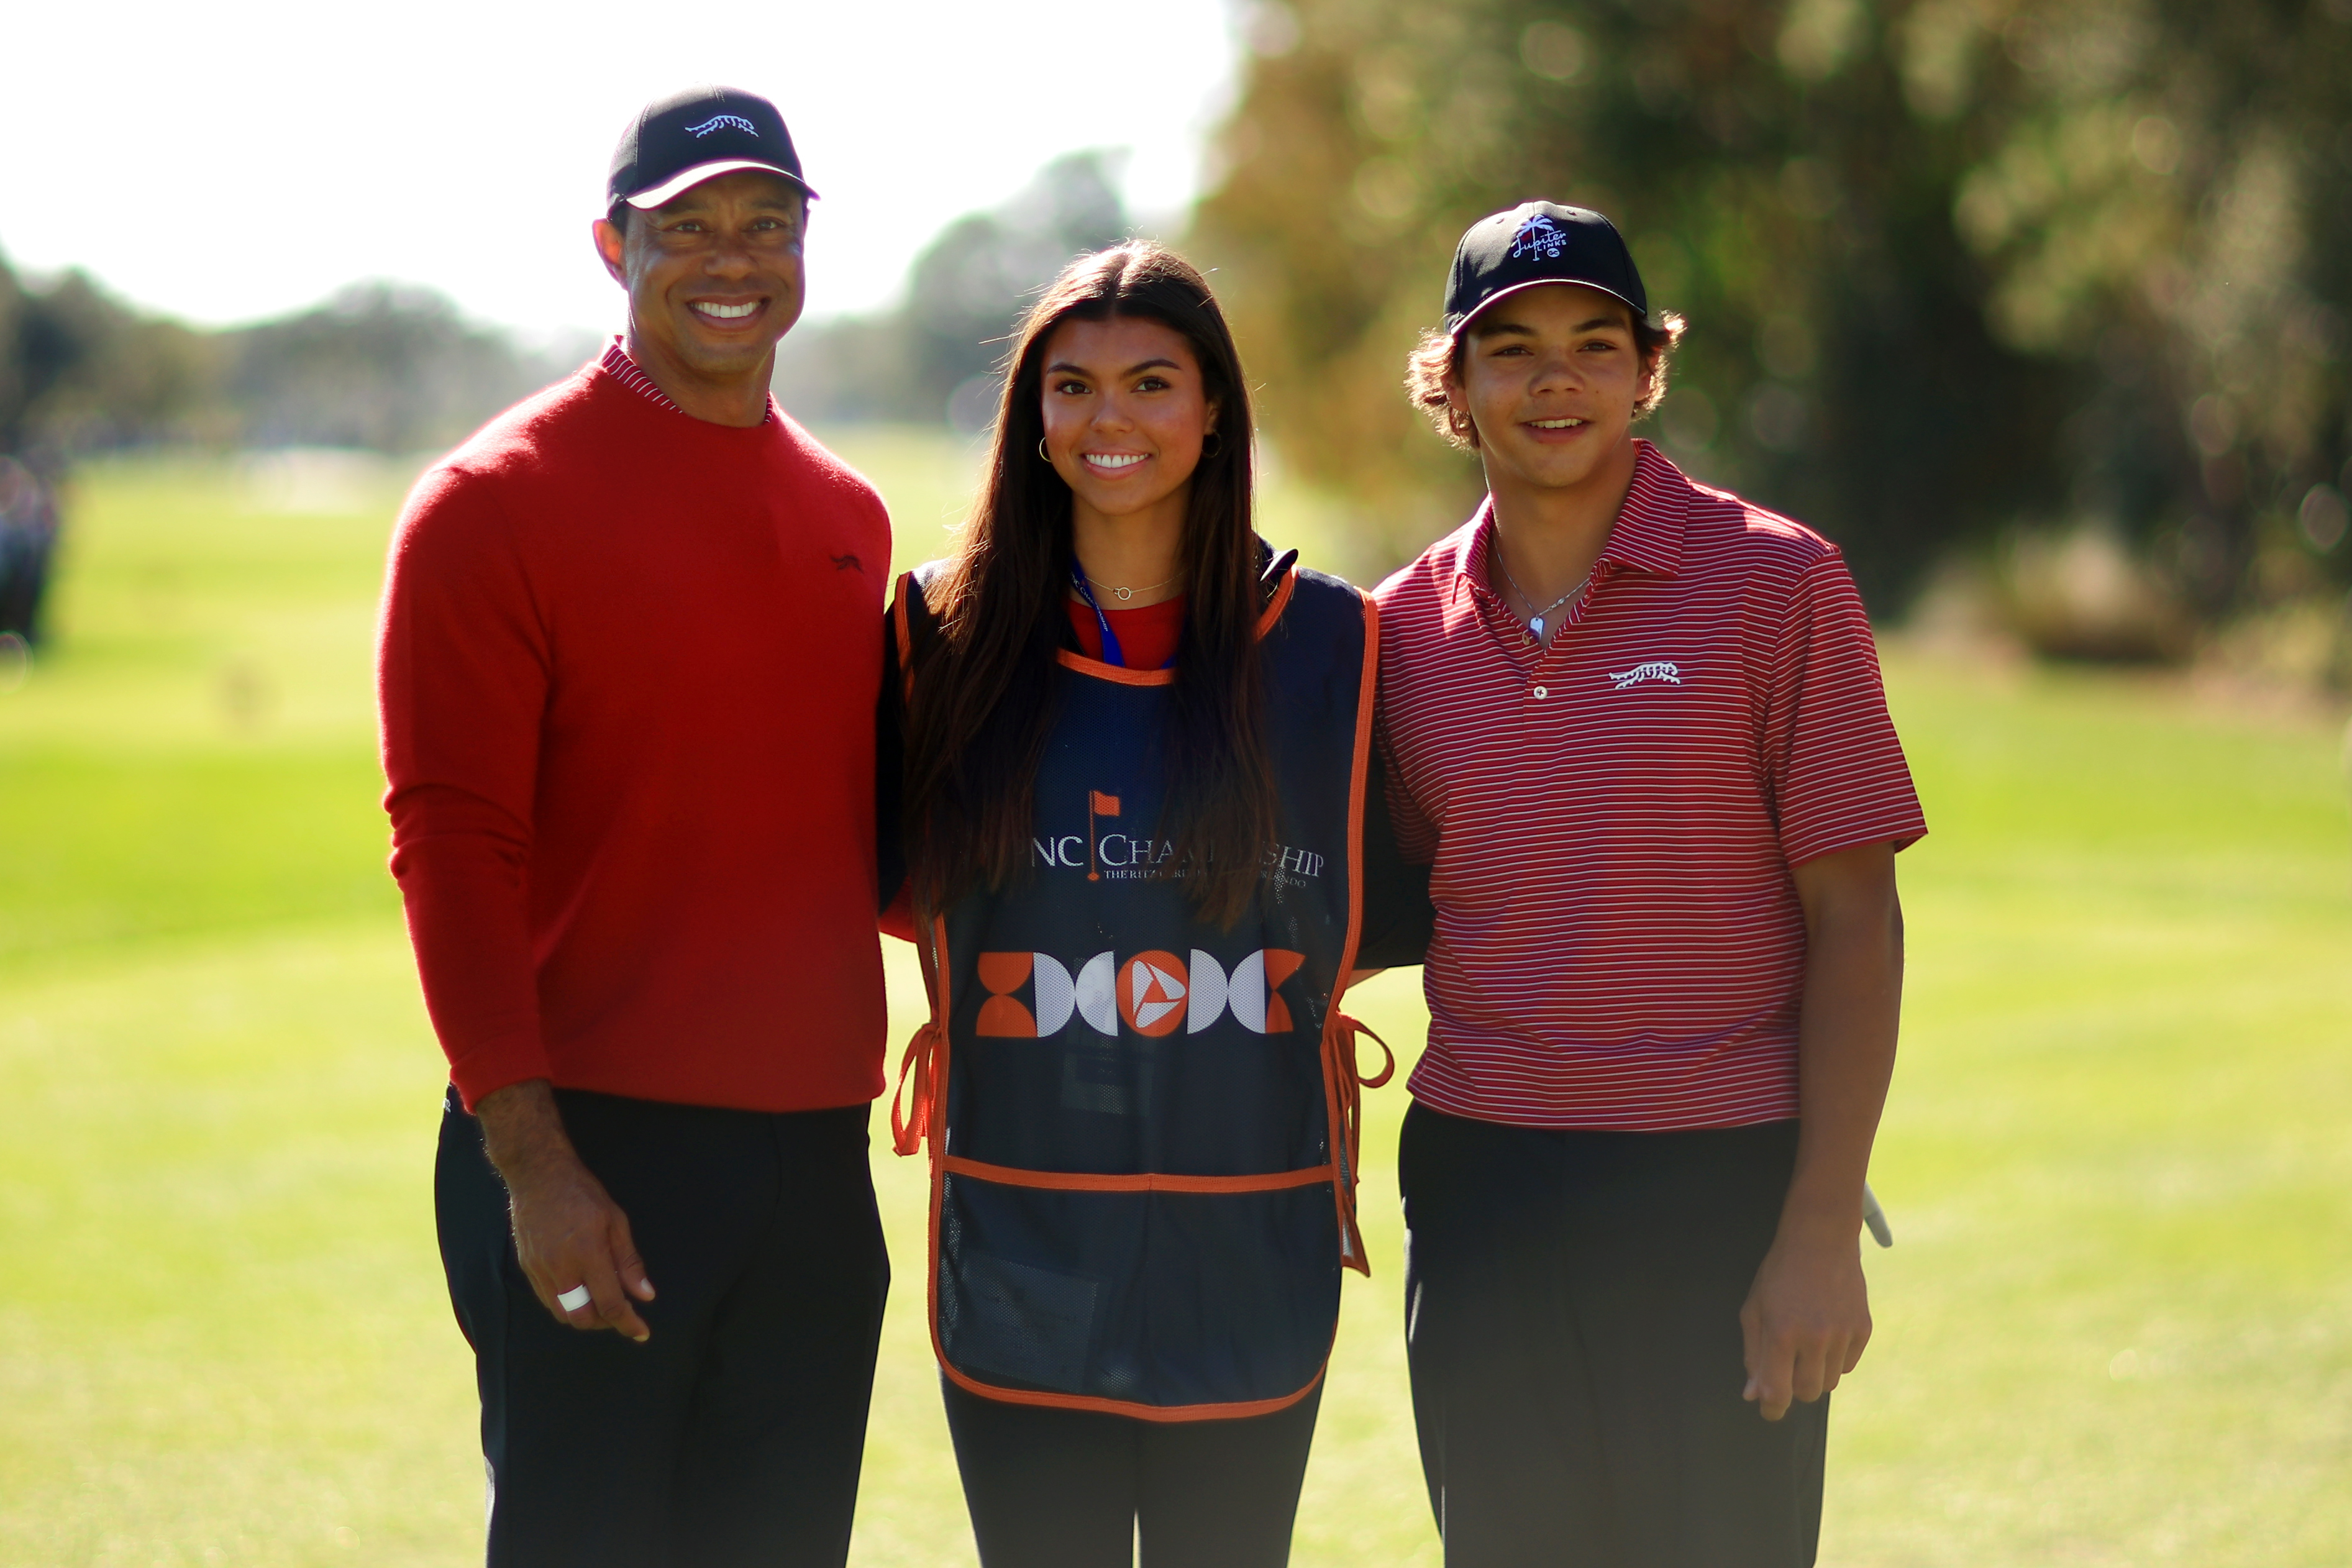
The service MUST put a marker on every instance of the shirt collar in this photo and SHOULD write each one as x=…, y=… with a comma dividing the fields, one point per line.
x=618, y=364
x=1646, y=536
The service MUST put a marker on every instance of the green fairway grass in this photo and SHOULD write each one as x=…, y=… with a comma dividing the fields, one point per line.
x=2116, y=1328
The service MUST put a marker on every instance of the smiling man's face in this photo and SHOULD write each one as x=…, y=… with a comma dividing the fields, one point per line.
x=714, y=276
x=1549, y=376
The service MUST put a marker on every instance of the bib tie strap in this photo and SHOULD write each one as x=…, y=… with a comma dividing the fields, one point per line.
x=907, y=1129
x=1347, y=1084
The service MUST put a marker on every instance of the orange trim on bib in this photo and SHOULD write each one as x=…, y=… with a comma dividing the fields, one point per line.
x=1160, y=1413
x=1342, y=1084
x=1147, y=1182
x=906, y=633
x=1279, y=603
x=1072, y=660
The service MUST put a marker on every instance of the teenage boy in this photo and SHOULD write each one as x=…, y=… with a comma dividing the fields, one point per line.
x=628, y=675
x=1637, y=726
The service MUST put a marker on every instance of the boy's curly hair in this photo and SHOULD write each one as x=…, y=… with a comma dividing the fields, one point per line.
x=1436, y=359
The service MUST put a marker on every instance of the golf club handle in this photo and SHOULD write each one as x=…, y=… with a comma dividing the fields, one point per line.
x=1875, y=1217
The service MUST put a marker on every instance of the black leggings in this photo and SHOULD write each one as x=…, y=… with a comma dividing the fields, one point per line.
x=1076, y=1488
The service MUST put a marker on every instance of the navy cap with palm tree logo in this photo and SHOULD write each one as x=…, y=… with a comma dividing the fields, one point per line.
x=699, y=135
x=1537, y=243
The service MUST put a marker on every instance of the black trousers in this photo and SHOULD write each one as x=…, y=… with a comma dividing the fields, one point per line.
x=1077, y=1489
x=732, y=1436
x=1572, y=1317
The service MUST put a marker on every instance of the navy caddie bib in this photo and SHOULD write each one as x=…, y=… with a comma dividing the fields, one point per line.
x=1142, y=1127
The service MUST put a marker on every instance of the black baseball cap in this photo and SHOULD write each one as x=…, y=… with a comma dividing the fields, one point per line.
x=696, y=135
x=1537, y=243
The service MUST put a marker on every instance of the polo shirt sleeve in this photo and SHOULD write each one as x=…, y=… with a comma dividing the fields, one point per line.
x=462, y=681
x=1415, y=835
x=1397, y=916
x=1834, y=765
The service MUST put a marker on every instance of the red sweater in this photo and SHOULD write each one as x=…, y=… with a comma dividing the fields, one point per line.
x=628, y=670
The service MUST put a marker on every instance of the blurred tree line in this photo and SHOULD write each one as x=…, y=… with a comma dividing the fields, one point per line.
x=398, y=370
x=1950, y=266
x=380, y=367
x=934, y=357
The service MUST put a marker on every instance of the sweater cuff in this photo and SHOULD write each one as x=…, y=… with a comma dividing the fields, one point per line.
x=486, y=1069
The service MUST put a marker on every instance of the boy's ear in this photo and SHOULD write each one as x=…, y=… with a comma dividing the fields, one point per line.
x=1457, y=410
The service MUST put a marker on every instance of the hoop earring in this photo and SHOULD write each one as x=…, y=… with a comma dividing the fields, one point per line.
x=1041, y=450
x=1209, y=451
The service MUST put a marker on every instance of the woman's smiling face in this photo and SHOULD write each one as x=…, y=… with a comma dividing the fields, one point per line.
x=1125, y=412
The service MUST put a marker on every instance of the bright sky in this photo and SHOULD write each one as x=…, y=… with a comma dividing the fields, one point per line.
x=237, y=159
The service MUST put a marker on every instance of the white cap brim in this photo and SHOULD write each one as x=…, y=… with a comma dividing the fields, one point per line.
x=686, y=179
x=1499, y=295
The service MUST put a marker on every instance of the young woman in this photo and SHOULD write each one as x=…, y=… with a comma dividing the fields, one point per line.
x=1142, y=874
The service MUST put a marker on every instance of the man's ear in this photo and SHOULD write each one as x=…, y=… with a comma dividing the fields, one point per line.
x=610, y=243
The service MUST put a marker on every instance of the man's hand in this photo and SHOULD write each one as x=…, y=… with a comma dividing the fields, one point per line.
x=1807, y=1317
x=568, y=1232
x=1808, y=1313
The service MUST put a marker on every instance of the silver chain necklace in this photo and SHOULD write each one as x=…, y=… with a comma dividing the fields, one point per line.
x=1535, y=622
x=1124, y=595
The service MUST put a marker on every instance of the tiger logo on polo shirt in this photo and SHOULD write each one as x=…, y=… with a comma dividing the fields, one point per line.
x=1660, y=669
x=1034, y=995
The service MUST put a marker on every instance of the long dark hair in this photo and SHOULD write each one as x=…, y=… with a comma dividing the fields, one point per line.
x=981, y=705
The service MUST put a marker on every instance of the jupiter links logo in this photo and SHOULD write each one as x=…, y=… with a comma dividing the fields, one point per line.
x=1538, y=237
x=722, y=122
x=1034, y=995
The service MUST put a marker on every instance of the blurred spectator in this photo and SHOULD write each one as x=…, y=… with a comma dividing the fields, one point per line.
x=28, y=534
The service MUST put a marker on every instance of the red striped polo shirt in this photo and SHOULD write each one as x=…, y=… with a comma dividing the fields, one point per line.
x=1611, y=820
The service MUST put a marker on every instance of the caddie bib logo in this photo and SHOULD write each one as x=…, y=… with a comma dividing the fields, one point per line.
x=1151, y=993
x=1034, y=995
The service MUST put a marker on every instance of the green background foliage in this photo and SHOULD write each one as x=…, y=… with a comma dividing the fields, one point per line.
x=2116, y=1327
x=377, y=367
x=1949, y=264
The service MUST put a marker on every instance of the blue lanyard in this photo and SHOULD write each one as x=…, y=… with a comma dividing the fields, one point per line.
x=1112, y=654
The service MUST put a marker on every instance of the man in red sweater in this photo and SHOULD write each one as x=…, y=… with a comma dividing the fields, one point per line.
x=628, y=667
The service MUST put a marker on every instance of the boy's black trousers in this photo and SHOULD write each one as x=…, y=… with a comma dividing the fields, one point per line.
x=1572, y=1322
x=732, y=1436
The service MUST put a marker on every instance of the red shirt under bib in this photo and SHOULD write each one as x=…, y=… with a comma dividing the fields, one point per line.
x=1148, y=636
